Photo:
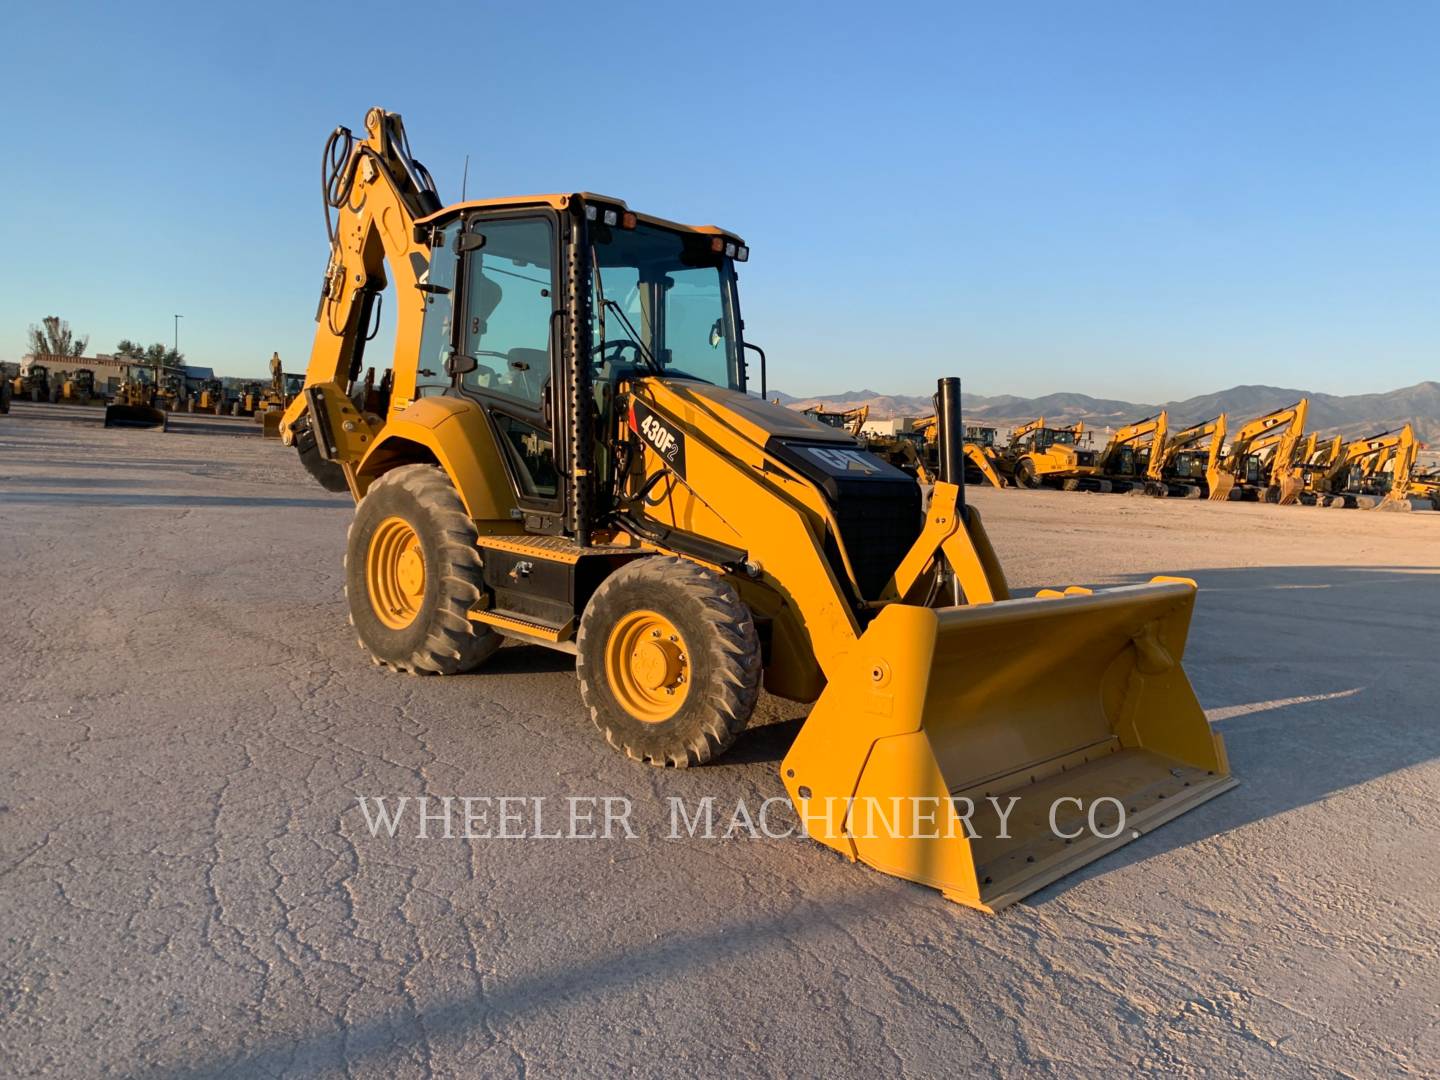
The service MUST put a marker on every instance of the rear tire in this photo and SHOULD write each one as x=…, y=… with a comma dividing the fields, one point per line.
x=668, y=662
x=424, y=631
x=1025, y=474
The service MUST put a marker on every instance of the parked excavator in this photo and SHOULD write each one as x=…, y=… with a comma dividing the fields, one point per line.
x=1353, y=478
x=136, y=403
x=1258, y=465
x=1041, y=456
x=1189, y=465
x=1125, y=461
x=593, y=472
x=915, y=452
x=849, y=420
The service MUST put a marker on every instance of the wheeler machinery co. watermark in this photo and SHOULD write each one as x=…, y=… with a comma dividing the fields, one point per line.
x=611, y=817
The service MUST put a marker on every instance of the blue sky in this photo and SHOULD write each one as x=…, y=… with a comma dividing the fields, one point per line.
x=1137, y=200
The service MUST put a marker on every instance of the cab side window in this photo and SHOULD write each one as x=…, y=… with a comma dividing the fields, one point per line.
x=509, y=302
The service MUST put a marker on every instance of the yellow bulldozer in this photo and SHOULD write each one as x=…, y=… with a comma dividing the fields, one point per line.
x=1259, y=465
x=595, y=473
x=1038, y=455
x=1125, y=461
x=1188, y=466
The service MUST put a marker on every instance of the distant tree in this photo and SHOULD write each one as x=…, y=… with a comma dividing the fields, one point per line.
x=157, y=353
x=53, y=338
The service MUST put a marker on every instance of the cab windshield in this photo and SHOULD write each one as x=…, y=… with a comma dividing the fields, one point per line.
x=664, y=302
x=1052, y=437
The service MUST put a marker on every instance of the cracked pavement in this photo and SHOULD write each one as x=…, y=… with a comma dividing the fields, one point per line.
x=188, y=888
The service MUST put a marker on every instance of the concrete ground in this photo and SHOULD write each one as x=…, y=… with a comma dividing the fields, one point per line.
x=188, y=888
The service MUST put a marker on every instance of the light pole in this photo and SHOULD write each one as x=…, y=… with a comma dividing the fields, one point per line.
x=177, y=337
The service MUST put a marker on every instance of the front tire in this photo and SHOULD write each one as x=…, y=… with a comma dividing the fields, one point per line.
x=1025, y=474
x=668, y=662
x=413, y=572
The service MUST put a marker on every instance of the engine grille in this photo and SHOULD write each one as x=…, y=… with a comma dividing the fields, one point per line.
x=877, y=530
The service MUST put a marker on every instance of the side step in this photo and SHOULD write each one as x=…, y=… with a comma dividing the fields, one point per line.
x=527, y=628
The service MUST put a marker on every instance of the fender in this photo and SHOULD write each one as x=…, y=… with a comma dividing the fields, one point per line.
x=454, y=433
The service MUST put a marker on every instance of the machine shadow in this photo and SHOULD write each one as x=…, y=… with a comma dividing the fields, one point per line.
x=514, y=998
x=1306, y=709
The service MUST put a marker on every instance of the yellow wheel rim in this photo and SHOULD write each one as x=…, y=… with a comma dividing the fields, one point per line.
x=395, y=573
x=648, y=666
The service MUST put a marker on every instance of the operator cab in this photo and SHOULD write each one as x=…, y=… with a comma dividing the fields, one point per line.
x=510, y=279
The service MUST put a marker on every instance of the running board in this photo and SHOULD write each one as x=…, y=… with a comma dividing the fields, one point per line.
x=524, y=628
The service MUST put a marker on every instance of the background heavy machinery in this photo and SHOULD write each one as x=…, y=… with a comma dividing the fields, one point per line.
x=915, y=452
x=247, y=400
x=1355, y=475
x=209, y=398
x=1042, y=456
x=33, y=384
x=135, y=403
x=850, y=420
x=1125, y=461
x=1189, y=465
x=593, y=472
x=284, y=388
x=78, y=388
x=1259, y=465
x=170, y=392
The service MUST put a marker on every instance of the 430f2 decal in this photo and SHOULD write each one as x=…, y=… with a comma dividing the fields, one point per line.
x=660, y=433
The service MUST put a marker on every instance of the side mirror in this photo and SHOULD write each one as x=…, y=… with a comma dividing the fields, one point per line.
x=459, y=363
x=715, y=336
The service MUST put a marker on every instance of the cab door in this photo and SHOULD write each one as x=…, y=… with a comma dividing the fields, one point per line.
x=506, y=300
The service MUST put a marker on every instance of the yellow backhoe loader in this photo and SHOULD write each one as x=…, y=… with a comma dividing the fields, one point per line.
x=1259, y=464
x=594, y=472
x=1189, y=465
x=1125, y=461
x=1041, y=456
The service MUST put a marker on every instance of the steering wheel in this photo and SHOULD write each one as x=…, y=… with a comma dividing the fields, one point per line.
x=617, y=349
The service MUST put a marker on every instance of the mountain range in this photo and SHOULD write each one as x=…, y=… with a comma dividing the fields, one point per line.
x=1353, y=415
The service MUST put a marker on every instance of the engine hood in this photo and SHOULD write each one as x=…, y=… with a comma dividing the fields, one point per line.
x=759, y=421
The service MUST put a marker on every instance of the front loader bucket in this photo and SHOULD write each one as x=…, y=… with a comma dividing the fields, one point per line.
x=1074, y=706
x=134, y=416
x=270, y=423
